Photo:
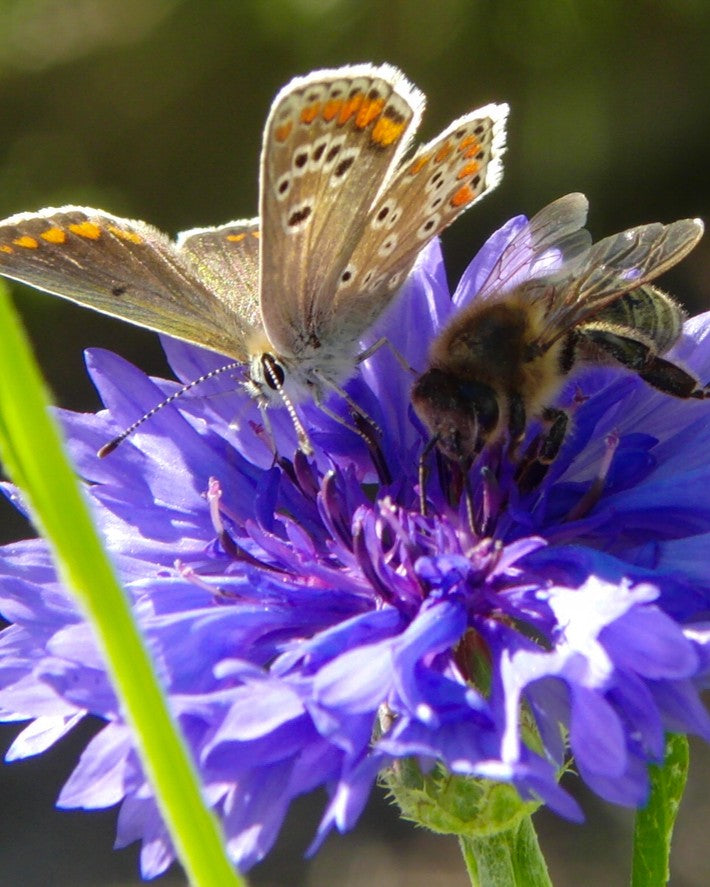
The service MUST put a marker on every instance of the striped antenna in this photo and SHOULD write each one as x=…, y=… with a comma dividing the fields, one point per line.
x=108, y=448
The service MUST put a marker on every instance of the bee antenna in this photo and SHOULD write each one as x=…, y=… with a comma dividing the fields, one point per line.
x=108, y=448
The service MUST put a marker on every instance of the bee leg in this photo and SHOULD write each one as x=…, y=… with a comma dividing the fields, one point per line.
x=533, y=469
x=517, y=420
x=664, y=375
x=423, y=472
x=672, y=379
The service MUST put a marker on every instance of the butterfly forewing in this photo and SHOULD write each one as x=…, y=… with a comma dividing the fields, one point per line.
x=331, y=141
x=120, y=267
x=227, y=260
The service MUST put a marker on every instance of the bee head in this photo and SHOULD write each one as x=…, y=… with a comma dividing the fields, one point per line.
x=459, y=413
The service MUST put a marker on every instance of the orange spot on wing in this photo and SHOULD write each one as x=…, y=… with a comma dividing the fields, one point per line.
x=463, y=196
x=256, y=234
x=419, y=163
x=130, y=236
x=281, y=133
x=6, y=249
x=349, y=107
x=468, y=169
x=469, y=141
x=386, y=131
x=236, y=238
x=443, y=152
x=331, y=109
x=370, y=110
x=26, y=242
x=54, y=235
x=86, y=229
x=309, y=114
x=473, y=150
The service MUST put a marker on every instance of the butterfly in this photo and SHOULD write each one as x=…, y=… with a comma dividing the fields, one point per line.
x=288, y=295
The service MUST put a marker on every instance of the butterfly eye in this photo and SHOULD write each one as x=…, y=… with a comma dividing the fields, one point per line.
x=273, y=372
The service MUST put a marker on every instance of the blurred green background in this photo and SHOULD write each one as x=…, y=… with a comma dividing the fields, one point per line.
x=153, y=109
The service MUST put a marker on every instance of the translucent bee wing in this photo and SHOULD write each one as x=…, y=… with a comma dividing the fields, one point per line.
x=553, y=238
x=426, y=195
x=120, y=267
x=332, y=140
x=612, y=267
x=226, y=258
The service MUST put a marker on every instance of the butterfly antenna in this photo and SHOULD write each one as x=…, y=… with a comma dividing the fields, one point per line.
x=304, y=443
x=112, y=444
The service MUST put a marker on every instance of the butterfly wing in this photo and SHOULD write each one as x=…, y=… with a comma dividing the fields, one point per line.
x=120, y=267
x=428, y=192
x=332, y=140
x=226, y=259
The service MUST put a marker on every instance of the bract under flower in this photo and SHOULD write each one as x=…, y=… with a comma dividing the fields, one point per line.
x=311, y=626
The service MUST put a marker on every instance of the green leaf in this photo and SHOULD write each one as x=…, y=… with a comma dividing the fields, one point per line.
x=654, y=823
x=32, y=453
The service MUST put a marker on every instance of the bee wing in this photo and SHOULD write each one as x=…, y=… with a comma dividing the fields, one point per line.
x=612, y=267
x=120, y=267
x=428, y=192
x=332, y=139
x=553, y=237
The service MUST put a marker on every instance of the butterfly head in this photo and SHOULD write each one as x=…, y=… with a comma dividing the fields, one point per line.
x=266, y=378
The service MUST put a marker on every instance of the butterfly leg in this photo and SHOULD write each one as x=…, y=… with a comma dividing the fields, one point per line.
x=365, y=429
x=397, y=354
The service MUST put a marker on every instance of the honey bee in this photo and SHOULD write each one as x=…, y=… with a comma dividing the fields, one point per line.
x=553, y=301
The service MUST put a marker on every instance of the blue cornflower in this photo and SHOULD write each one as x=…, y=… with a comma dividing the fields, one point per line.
x=311, y=626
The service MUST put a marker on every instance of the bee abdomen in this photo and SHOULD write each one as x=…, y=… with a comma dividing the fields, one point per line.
x=645, y=314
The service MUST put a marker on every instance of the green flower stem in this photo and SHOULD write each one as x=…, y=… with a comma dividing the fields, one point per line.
x=31, y=450
x=506, y=859
x=493, y=825
x=654, y=823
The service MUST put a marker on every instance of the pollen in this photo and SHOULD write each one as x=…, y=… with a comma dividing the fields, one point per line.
x=54, y=235
x=86, y=229
x=26, y=242
x=463, y=196
x=130, y=236
x=386, y=131
x=468, y=169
